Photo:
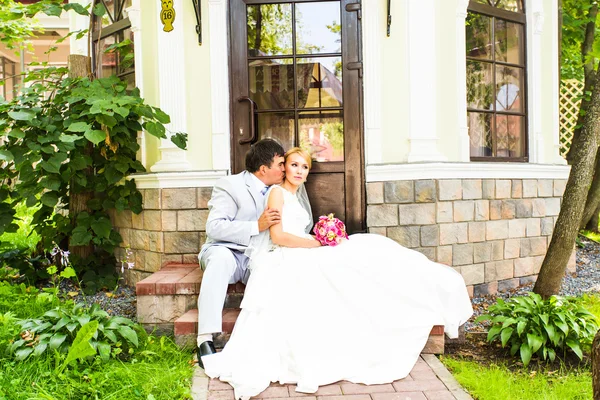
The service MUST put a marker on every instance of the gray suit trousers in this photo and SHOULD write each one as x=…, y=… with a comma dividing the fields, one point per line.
x=222, y=266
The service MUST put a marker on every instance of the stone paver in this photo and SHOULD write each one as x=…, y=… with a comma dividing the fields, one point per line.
x=428, y=380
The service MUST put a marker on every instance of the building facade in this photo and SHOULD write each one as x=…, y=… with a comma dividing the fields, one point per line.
x=433, y=122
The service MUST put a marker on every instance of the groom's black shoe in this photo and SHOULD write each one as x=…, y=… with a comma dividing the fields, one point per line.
x=205, y=349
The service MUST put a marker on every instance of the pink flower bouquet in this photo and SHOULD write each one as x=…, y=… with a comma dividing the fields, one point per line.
x=330, y=231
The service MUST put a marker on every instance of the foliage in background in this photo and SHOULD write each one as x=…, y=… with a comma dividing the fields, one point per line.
x=575, y=19
x=66, y=136
x=530, y=325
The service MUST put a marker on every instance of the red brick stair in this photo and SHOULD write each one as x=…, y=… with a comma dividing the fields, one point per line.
x=167, y=304
x=169, y=293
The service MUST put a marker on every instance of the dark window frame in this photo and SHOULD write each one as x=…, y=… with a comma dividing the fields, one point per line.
x=518, y=18
x=117, y=27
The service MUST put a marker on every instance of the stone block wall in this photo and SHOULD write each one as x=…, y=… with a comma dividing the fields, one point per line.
x=171, y=229
x=495, y=232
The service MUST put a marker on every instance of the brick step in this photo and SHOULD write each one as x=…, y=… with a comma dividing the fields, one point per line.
x=170, y=292
x=186, y=328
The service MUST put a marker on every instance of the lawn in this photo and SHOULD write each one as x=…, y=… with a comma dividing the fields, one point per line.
x=494, y=379
x=157, y=369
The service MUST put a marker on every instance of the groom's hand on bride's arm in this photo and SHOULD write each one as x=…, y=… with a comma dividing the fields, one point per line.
x=269, y=217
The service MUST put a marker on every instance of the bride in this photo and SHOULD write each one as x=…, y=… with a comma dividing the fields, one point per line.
x=360, y=311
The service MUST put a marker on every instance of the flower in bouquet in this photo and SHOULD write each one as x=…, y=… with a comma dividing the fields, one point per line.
x=330, y=231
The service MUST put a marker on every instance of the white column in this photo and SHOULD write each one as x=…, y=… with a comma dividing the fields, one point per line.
x=461, y=80
x=373, y=35
x=422, y=69
x=135, y=16
x=219, y=78
x=76, y=23
x=556, y=157
x=535, y=23
x=172, y=88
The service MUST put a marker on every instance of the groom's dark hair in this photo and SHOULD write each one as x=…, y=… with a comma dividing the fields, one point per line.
x=262, y=153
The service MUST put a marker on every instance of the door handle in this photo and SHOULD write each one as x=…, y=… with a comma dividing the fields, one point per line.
x=253, y=108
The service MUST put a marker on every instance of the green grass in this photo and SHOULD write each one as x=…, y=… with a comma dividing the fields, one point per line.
x=592, y=303
x=158, y=370
x=497, y=382
x=24, y=237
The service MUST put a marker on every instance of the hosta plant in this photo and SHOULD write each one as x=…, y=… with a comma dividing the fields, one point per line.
x=530, y=325
x=58, y=328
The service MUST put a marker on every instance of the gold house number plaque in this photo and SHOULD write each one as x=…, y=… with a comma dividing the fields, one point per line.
x=167, y=15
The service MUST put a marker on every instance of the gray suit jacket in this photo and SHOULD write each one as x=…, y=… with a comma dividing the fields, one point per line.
x=234, y=209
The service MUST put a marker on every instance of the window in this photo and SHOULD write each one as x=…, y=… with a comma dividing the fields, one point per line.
x=496, y=80
x=114, y=27
x=8, y=79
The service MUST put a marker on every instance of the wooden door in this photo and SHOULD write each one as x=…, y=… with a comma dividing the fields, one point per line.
x=296, y=76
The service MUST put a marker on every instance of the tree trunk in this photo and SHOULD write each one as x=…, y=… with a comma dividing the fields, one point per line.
x=596, y=366
x=80, y=66
x=567, y=225
x=592, y=224
x=593, y=198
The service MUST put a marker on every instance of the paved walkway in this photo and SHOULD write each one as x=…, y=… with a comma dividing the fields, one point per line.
x=429, y=380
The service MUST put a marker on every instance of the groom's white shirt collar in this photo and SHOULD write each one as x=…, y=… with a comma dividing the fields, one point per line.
x=258, y=184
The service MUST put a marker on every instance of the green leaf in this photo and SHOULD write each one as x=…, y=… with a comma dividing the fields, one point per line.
x=51, y=182
x=111, y=335
x=128, y=334
x=16, y=133
x=78, y=8
x=79, y=127
x=551, y=334
x=180, y=140
x=493, y=332
x=22, y=354
x=99, y=10
x=81, y=347
x=525, y=354
x=534, y=342
x=56, y=340
x=22, y=115
x=155, y=129
x=68, y=272
x=102, y=227
x=521, y=327
x=6, y=155
x=69, y=138
x=104, y=350
x=107, y=120
x=63, y=321
x=49, y=199
x=39, y=349
x=574, y=345
x=505, y=335
x=122, y=111
x=80, y=236
x=95, y=136
x=161, y=116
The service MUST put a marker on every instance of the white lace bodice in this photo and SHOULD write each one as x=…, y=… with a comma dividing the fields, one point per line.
x=294, y=217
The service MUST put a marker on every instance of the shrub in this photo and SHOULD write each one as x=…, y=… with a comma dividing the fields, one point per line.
x=530, y=325
x=58, y=328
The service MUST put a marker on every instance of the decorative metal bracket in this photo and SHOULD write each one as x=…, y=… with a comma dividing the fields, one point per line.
x=198, y=11
x=389, y=17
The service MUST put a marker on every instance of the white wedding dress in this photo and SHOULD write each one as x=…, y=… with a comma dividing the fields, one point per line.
x=361, y=312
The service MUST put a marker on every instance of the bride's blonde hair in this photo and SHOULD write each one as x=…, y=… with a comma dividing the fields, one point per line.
x=302, y=153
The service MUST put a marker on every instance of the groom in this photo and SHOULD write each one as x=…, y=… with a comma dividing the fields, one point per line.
x=236, y=213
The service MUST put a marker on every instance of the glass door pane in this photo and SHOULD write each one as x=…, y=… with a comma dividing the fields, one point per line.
x=294, y=53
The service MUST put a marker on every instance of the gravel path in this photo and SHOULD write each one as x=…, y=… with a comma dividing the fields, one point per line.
x=586, y=280
x=121, y=301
